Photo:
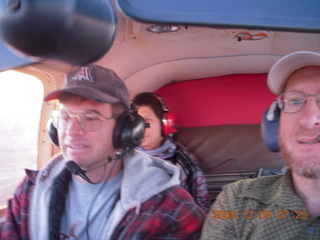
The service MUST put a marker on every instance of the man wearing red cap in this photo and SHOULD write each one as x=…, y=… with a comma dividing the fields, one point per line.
x=99, y=187
x=282, y=206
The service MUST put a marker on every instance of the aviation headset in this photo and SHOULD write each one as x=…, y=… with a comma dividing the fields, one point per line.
x=127, y=134
x=169, y=121
x=270, y=127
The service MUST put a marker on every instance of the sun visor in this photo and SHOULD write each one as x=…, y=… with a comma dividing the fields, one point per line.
x=75, y=32
x=284, y=15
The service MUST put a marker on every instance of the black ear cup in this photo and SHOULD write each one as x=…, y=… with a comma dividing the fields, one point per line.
x=53, y=133
x=129, y=130
x=270, y=127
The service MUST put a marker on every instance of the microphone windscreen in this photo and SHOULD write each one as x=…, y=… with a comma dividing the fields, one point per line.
x=77, y=170
x=73, y=167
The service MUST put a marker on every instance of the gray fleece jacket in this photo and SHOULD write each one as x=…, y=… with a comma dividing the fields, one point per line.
x=143, y=177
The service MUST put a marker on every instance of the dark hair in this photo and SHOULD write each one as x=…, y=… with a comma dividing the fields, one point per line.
x=149, y=99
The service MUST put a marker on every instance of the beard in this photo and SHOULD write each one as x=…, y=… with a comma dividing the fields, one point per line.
x=304, y=166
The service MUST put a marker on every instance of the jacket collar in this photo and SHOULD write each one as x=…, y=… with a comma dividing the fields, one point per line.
x=275, y=190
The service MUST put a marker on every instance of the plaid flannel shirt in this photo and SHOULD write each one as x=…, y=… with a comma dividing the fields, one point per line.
x=171, y=214
x=195, y=181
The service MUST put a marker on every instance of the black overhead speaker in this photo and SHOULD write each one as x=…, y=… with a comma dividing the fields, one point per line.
x=72, y=31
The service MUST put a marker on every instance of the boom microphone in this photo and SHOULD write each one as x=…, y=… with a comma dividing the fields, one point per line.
x=81, y=171
x=77, y=170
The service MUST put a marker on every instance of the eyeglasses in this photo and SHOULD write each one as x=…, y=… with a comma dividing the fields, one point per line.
x=292, y=102
x=88, y=120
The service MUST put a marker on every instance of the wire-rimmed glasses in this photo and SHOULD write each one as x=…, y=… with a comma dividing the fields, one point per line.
x=88, y=120
x=292, y=102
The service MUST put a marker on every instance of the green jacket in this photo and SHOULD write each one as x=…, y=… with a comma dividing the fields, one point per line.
x=260, y=208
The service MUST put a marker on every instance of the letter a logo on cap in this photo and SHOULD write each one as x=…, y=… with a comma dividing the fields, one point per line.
x=83, y=74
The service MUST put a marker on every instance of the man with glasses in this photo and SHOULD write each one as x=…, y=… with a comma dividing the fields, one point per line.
x=99, y=187
x=283, y=206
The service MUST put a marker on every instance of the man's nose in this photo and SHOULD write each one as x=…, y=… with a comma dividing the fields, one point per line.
x=74, y=126
x=310, y=114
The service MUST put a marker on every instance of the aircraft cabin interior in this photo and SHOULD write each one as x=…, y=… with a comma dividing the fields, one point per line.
x=208, y=60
